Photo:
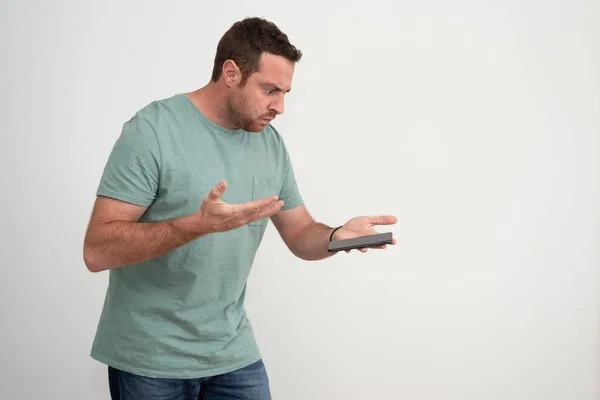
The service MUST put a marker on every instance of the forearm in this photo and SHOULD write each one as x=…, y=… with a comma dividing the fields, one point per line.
x=312, y=243
x=121, y=243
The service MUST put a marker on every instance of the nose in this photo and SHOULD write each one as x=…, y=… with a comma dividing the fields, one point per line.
x=277, y=105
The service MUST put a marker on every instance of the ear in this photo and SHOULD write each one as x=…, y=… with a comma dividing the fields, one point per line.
x=231, y=73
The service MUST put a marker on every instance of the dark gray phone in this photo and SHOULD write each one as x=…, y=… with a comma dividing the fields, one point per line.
x=360, y=242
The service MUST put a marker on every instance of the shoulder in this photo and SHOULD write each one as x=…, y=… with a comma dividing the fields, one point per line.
x=155, y=114
x=142, y=127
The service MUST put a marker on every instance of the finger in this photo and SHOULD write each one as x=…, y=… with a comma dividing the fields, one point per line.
x=217, y=191
x=383, y=246
x=384, y=220
x=269, y=210
x=273, y=209
x=253, y=207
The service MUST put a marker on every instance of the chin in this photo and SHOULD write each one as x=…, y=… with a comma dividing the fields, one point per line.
x=257, y=127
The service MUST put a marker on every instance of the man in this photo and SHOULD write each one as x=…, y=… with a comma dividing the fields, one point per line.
x=181, y=209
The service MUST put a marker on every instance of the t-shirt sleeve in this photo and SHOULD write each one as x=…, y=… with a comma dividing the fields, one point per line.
x=289, y=193
x=132, y=171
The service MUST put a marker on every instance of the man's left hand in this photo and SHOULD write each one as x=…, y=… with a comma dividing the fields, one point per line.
x=363, y=226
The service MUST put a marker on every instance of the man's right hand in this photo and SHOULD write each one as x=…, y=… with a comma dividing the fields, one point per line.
x=215, y=215
x=115, y=238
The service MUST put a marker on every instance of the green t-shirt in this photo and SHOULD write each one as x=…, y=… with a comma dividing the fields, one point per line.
x=181, y=315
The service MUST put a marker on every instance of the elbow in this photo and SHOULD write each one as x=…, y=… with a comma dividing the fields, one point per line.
x=90, y=259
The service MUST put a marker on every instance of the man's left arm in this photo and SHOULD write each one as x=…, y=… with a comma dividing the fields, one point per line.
x=308, y=239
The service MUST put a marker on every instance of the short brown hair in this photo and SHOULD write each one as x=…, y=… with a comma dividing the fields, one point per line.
x=246, y=40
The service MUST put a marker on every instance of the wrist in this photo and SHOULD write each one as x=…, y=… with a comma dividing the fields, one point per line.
x=334, y=232
x=190, y=227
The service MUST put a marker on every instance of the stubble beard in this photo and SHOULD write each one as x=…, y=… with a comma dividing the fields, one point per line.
x=235, y=111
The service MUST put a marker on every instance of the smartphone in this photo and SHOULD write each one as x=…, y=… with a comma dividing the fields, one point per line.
x=360, y=242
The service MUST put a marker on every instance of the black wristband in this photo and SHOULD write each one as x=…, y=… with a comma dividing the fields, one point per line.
x=331, y=236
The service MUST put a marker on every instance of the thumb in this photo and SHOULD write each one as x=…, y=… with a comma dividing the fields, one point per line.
x=217, y=191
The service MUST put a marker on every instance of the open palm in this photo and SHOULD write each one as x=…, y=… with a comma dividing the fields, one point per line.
x=363, y=226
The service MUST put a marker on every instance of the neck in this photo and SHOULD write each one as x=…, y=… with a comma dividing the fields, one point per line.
x=211, y=100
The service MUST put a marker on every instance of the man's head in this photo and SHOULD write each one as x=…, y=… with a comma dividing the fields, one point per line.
x=255, y=61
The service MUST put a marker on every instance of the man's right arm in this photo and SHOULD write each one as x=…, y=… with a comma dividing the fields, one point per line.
x=116, y=239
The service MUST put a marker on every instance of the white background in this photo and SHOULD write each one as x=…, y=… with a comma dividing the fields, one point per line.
x=476, y=123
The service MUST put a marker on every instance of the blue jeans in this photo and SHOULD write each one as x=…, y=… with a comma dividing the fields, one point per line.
x=249, y=383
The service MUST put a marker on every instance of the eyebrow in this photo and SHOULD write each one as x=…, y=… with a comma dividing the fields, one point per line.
x=276, y=87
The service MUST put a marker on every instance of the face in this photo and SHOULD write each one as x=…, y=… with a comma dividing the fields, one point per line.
x=255, y=104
